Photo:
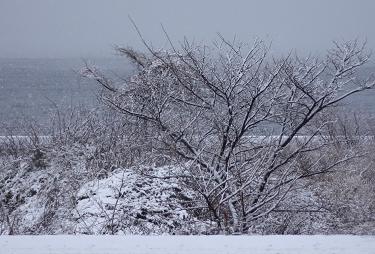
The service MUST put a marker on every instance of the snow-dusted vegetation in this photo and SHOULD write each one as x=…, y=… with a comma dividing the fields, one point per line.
x=127, y=202
x=201, y=140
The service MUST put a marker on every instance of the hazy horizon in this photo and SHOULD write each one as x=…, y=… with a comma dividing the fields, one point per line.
x=89, y=28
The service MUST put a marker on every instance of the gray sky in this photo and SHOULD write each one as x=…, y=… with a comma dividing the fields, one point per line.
x=89, y=28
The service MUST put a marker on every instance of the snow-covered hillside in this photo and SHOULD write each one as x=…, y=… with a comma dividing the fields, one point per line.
x=338, y=244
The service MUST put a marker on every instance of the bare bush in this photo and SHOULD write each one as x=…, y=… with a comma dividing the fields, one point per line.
x=239, y=119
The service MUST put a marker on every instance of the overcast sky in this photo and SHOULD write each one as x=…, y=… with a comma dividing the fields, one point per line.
x=89, y=28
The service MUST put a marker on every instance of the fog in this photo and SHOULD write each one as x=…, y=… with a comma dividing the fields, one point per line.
x=90, y=28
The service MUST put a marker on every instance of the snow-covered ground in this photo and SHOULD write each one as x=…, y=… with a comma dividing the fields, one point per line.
x=340, y=244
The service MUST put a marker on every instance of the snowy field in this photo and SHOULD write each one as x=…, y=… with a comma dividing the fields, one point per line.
x=340, y=244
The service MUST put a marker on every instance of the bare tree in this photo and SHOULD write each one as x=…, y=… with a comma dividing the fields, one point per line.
x=240, y=120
